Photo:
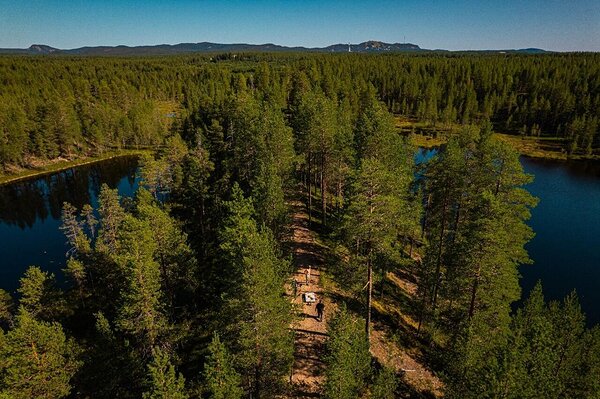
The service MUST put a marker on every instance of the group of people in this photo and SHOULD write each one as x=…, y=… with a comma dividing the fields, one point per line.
x=320, y=307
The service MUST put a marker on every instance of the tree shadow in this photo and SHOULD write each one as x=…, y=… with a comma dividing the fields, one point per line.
x=308, y=316
x=398, y=303
x=404, y=389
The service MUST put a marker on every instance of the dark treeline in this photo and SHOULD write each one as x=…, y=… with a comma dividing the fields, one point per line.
x=24, y=202
x=54, y=106
x=179, y=291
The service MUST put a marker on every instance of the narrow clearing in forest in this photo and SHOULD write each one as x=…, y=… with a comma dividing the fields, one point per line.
x=310, y=334
x=307, y=376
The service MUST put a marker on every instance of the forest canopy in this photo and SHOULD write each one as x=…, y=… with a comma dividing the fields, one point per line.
x=62, y=106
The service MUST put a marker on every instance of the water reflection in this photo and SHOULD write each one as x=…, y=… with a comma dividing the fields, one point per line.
x=586, y=169
x=30, y=214
x=27, y=202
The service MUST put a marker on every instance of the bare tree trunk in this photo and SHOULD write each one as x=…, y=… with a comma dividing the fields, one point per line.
x=316, y=181
x=323, y=190
x=456, y=222
x=474, y=292
x=309, y=191
x=257, y=387
x=421, y=312
x=439, y=258
x=369, y=297
x=424, y=227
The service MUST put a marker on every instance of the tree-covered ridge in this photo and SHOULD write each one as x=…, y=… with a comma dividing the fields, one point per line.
x=55, y=106
x=207, y=47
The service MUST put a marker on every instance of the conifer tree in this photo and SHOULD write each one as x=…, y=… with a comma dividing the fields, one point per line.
x=13, y=134
x=156, y=175
x=174, y=152
x=73, y=231
x=348, y=359
x=268, y=192
x=380, y=206
x=237, y=226
x=372, y=218
x=89, y=220
x=39, y=295
x=222, y=380
x=244, y=142
x=141, y=314
x=546, y=353
x=111, y=216
x=476, y=229
x=194, y=197
x=315, y=123
x=172, y=253
x=112, y=367
x=275, y=163
x=260, y=314
x=77, y=273
x=37, y=360
x=164, y=382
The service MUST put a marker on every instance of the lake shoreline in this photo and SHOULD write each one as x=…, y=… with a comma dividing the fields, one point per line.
x=31, y=211
x=528, y=147
x=57, y=165
x=566, y=226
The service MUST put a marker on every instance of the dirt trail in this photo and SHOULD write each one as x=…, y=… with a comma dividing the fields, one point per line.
x=310, y=333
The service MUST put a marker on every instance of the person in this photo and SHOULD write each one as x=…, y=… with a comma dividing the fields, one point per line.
x=294, y=287
x=306, y=276
x=320, y=309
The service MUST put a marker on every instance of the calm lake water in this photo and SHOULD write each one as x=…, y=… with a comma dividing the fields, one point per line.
x=30, y=214
x=566, y=248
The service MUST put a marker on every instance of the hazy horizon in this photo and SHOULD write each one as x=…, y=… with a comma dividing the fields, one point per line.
x=284, y=45
x=460, y=25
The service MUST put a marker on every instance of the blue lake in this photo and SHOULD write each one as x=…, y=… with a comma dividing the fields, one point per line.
x=30, y=214
x=566, y=248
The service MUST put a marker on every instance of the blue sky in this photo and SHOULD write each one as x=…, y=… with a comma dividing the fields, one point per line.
x=566, y=25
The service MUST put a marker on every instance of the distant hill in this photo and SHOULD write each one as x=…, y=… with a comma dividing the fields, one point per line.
x=371, y=46
x=531, y=51
x=181, y=48
x=33, y=49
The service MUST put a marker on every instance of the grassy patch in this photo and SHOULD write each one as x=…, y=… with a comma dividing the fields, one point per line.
x=419, y=140
x=425, y=135
x=547, y=147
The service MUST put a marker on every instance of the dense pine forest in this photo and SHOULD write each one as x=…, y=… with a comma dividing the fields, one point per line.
x=60, y=107
x=184, y=290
